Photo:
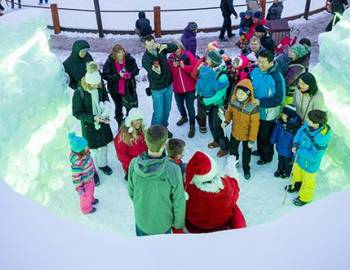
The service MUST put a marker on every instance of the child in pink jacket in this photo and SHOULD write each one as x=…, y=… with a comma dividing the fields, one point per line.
x=83, y=171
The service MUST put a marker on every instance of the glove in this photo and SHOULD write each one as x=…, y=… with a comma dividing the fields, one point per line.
x=177, y=231
x=251, y=144
x=80, y=190
x=127, y=76
x=148, y=91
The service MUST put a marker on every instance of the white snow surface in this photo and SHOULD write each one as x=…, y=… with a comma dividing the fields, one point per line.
x=170, y=20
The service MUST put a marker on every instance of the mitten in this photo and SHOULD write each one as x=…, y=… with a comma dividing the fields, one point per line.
x=148, y=91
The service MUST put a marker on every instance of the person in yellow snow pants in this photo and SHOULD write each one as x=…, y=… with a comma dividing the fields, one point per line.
x=307, y=183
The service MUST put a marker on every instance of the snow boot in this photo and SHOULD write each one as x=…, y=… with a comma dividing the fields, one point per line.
x=222, y=153
x=93, y=210
x=298, y=202
x=255, y=153
x=292, y=189
x=278, y=173
x=203, y=130
x=213, y=145
x=95, y=201
x=262, y=162
x=182, y=121
x=96, y=179
x=247, y=175
x=191, y=131
x=106, y=170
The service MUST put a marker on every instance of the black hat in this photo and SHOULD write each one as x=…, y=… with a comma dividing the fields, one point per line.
x=289, y=110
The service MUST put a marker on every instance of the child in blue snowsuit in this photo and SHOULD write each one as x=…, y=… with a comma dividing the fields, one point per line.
x=310, y=144
x=283, y=134
x=207, y=85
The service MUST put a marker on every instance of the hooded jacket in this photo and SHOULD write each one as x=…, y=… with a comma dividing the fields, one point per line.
x=182, y=79
x=189, y=40
x=270, y=89
x=156, y=189
x=74, y=65
x=244, y=115
x=275, y=11
x=143, y=24
x=311, y=147
x=207, y=85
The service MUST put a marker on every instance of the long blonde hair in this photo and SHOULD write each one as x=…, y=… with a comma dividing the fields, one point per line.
x=130, y=138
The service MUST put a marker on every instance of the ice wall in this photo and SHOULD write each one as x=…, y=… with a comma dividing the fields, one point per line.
x=34, y=106
x=333, y=76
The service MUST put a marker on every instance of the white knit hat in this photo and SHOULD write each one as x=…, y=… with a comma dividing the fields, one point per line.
x=92, y=75
x=134, y=114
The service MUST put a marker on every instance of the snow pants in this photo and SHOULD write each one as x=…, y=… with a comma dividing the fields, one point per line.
x=87, y=197
x=308, y=183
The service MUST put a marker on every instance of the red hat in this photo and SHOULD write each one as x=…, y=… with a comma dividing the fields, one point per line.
x=201, y=168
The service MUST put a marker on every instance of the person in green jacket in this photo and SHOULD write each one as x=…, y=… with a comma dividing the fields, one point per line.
x=156, y=188
x=75, y=64
x=160, y=79
x=216, y=103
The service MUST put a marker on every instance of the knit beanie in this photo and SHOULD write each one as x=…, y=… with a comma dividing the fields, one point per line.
x=258, y=15
x=299, y=50
x=77, y=144
x=192, y=26
x=215, y=56
x=134, y=114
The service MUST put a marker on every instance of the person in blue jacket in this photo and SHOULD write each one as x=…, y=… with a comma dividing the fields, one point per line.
x=270, y=91
x=309, y=145
x=283, y=134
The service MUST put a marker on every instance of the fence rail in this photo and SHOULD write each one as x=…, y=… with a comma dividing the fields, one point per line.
x=156, y=11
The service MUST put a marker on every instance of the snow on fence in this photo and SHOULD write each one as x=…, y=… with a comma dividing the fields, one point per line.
x=171, y=15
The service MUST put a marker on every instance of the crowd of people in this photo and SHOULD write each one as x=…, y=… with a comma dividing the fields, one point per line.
x=269, y=99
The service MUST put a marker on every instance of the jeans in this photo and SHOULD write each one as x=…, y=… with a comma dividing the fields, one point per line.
x=139, y=232
x=161, y=106
x=226, y=26
x=265, y=148
x=189, y=99
x=100, y=156
x=215, y=128
x=234, y=144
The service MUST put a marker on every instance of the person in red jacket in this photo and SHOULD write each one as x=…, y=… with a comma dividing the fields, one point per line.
x=130, y=141
x=181, y=64
x=212, y=199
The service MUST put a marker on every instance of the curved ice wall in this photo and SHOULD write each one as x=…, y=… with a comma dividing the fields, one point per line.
x=34, y=106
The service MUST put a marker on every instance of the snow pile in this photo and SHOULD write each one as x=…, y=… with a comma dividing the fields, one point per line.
x=332, y=74
x=33, y=107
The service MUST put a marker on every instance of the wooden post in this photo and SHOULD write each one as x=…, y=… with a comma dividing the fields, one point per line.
x=19, y=4
x=307, y=9
x=12, y=3
x=55, y=19
x=263, y=7
x=98, y=18
x=157, y=22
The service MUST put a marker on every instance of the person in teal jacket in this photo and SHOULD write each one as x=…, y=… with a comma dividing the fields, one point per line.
x=309, y=145
x=270, y=91
x=216, y=102
x=155, y=186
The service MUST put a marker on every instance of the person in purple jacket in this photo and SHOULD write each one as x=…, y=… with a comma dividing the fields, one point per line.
x=188, y=37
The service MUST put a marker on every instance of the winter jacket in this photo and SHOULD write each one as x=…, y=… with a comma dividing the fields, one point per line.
x=182, y=80
x=220, y=95
x=74, y=65
x=304, y=103
x=82, y=110
x=244, y=115
x=311, y=147
x=156, y=189
x=275, y=11
x=210, y=212
x=125, y=153
x=143, y=25
x=189, y=40
x=251, y=32
x=207, y=85
x=83, y=169
x=292, y=78
x=270, y=89
x=284, y=62
x=227, y=8
x=338, y=6
x=283, y=135
x=164, y=79
x=110, y=74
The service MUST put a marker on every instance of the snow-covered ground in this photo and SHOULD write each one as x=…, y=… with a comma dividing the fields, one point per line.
x=170, y=20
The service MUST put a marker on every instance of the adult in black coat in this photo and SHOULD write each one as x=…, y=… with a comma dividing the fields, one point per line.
x=335, y=7
x=143, y=25
x=90, y=105
x=227, y=9
x=275, y=11
x=75, y=64
x=266, y=40
x=121, y=83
